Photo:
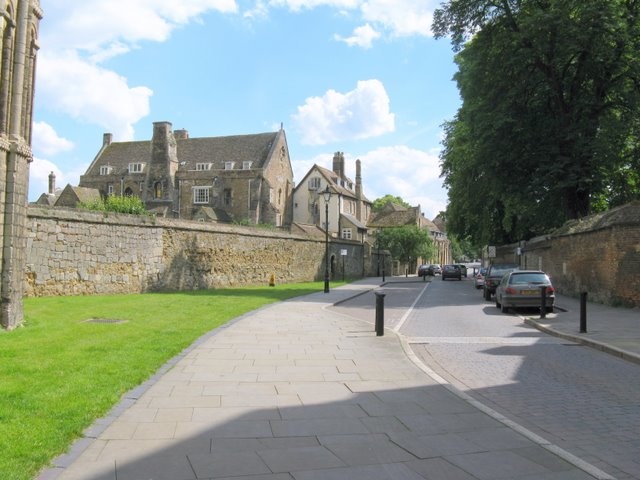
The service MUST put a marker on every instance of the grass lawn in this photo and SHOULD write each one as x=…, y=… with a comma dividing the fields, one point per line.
x=59, y=373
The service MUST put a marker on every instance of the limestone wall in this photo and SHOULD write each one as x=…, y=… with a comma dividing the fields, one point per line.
x=74, y=252
x=599, y=255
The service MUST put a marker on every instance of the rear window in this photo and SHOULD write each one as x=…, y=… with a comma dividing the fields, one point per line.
x=500, y=271
x=538, y=278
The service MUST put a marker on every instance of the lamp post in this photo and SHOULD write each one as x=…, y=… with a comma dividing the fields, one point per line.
x=327, y=196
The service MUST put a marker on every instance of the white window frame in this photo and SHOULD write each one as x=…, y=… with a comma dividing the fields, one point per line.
x=136, y=167
x=203, y=166
x=229, y=165
x=246, y=165
x=106, y=170
x=110, y=189
x=346, y=234
x=201, y=195
x=314, y=183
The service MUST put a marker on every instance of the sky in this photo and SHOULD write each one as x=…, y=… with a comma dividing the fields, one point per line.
x=363, y=77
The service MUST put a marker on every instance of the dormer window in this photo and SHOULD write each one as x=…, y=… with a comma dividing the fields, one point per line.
x=106, y=170
x=228, y=165
x=246, y=165
x=136, y=167
x=314, y=183
x=203, y=166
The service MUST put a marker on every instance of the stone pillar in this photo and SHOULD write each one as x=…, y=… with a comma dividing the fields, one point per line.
x=15, y=156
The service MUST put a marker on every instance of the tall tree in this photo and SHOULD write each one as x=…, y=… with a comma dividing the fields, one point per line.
x=406, y=243
x=548, y=126
x=379, y=203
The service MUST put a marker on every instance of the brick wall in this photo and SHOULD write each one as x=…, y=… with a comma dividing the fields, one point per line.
x=75, y=252
x=599, y=255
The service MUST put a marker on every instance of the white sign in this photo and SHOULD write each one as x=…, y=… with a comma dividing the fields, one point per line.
x=343, y=252
x=492, y=252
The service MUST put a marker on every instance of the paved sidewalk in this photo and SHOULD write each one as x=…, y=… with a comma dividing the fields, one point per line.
x=297, y=391
x=613, y=330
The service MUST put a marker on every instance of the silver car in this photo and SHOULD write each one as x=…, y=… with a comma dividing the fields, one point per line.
x=521, y=288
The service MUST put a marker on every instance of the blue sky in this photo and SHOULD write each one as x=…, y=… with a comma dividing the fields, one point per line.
x=362, y=77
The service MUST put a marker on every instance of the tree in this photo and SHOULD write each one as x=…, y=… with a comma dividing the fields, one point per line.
x=406, y=243
x=380, y=203
x=548, y=126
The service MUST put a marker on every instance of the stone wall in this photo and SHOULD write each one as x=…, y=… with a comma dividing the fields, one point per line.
x=74, y=252
x=599, y=255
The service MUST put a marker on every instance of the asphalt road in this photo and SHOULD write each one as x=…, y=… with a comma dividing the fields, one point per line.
x=582, y=400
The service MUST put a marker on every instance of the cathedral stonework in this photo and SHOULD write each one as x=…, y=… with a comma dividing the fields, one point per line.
x=19, y=23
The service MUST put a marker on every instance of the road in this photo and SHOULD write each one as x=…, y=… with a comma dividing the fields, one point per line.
x=582, y=400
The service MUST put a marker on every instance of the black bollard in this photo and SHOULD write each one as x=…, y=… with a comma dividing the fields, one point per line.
x=583, y=312
x=543, y=301
x=379, y=314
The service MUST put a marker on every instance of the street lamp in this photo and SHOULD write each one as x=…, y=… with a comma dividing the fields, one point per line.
x=327, y=196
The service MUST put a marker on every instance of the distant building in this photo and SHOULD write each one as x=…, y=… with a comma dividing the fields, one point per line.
x=19, y=26
x=242, y=178
x=348, y=207
x=393, y=215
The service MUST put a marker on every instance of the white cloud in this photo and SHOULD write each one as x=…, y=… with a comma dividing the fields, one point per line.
x=358, y=114
x=91, y=94
x=396, y=17
x=94, y=25
x=78, y=36
x=362, y=37
x=401, y=17
x=297, y=5
x=47, y=142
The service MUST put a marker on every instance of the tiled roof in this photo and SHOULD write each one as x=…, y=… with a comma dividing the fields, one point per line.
x=215, y=150
x=354, y=221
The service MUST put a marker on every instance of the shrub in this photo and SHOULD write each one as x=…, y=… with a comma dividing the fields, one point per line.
x=115, y=203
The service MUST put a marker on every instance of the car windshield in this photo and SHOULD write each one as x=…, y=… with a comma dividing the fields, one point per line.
x=528, y=278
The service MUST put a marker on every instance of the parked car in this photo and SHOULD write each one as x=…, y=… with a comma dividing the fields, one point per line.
x=478, y=279
x=451, y=271
x=493, y=277
x=422, y=270
x=521, y=288
x=434, y=269
x=463, y=269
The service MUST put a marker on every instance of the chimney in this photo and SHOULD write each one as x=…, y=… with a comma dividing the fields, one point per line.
x=52, y=183
x=338, y=164
x=107, y=139
x=181, y=134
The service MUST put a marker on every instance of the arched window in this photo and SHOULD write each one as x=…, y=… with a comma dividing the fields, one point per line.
x=157, y=189
x=128, y=192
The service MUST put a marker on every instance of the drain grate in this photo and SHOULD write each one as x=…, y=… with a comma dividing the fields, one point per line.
x=105, y=320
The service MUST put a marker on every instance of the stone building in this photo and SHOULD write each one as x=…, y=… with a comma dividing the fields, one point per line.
x=19, y=24
x=393, y=215
x=348, y=207
x=242, y=178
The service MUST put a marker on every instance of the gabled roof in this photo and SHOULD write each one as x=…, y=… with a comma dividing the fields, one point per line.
x=393, y=215
x=310, y=230
x=216, y=150
x=334, y=181
x=71, y=195
x=354, y=221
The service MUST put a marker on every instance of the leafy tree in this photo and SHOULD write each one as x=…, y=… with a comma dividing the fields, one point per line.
x=380, y=203
x=548, y=127
x=406, y=243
